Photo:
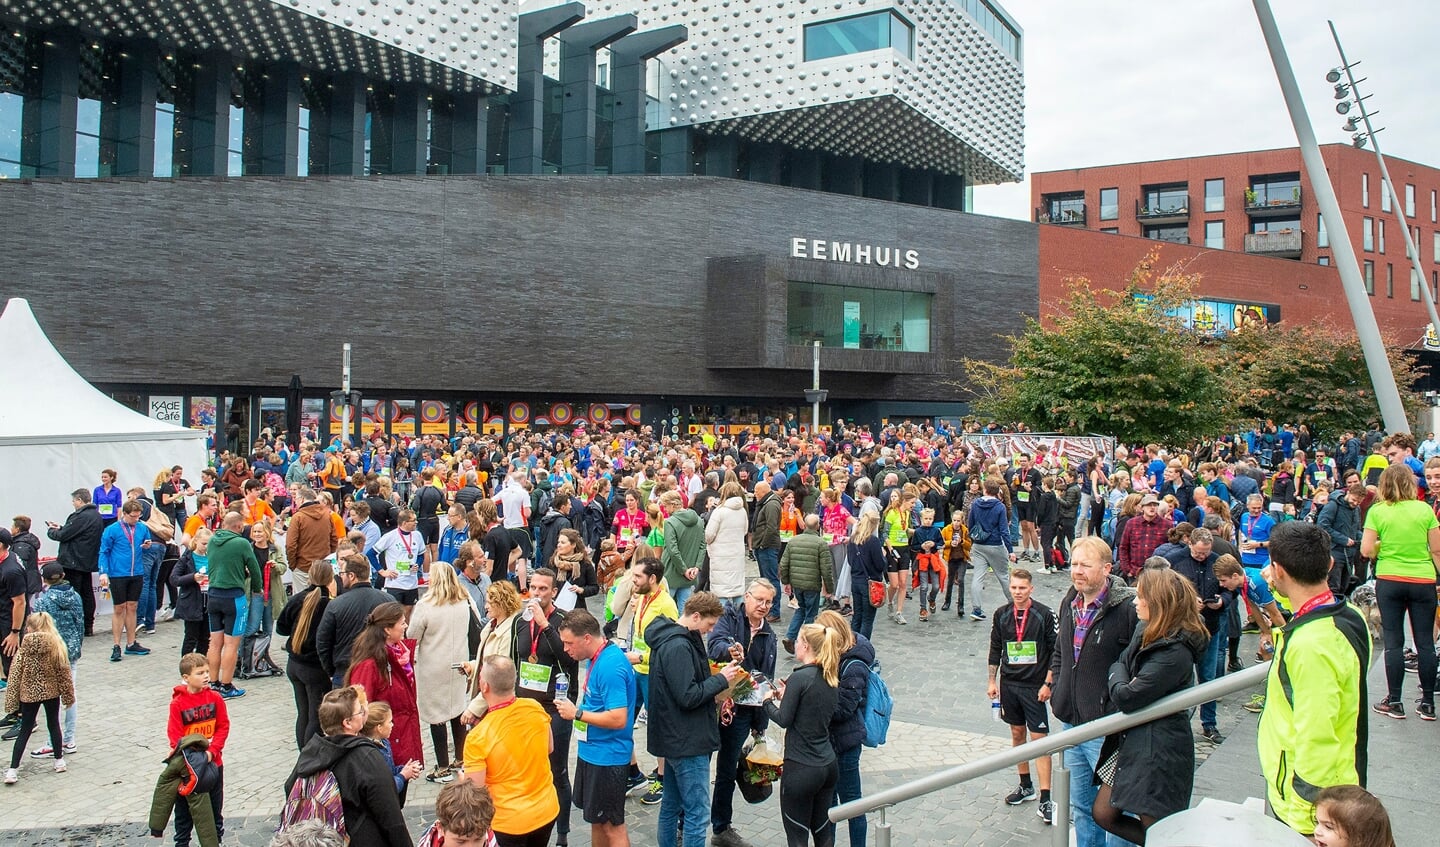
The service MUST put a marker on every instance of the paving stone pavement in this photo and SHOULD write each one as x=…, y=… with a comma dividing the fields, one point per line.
x=936, y=672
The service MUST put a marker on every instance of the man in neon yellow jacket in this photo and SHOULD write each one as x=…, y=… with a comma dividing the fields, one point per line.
x=1314, y=729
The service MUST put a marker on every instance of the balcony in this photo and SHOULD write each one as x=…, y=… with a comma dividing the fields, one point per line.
x=1282, y=243
x=1263, y=202
x=1068, y=214
x=1163, y=209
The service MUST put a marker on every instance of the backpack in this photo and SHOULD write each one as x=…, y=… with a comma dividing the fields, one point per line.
x=979, y=534
x=878, y=705
x=542, y=506
x=315, y=798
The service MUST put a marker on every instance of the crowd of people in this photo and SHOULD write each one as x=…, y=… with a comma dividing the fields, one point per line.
x=549, y=590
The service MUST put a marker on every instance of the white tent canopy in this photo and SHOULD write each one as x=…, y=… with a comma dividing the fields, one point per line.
x=57, y=431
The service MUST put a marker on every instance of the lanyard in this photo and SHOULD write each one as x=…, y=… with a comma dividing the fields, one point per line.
x=129, y=536
x=1250, y=525
x=589, y=666
x=1321, y=599
x=1020, y=619
x=638, y=624
x=405, y=539
x=535, y=639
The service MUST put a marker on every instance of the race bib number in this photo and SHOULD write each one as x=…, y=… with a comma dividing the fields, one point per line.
x=1320, y=476
x=627, y=535
x=403, y=566
x=581, y=728
x=534, y=677
x=107, y=510
x=786, y=535
x=1022, y=496
x=829, y=537
x=1021, y=652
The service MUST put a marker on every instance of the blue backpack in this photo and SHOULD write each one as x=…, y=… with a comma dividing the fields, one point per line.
x=877, y=706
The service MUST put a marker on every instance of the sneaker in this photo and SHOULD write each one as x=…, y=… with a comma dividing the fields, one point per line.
x=1426, y=711
x=150, y=630
x=12, y=776
x=794, y=603
x=1046, y=811
x=60, y=766
x=977, y=614
x=115, y=654
x=652, y=797
x=1234, y=666
x=728, y=837
x=946, y=607
x=643, y=716
x=1250, y=629
x=441, y=775
x=47, y=751
x=135, y=649
x=1390, y=708
x=1256, y=704
x=900, y=619
x=637, y=780
x=1212, y=734
x=1021, y=794
x=230, y=692
x=924, y=616
x=1412, y=660
x=165, y=614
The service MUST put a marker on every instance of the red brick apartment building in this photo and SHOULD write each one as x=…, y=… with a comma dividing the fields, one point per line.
x=1248, y=222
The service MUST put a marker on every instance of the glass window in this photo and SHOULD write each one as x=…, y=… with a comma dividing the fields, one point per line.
x=1322, y=238
x=164, y=139
x=1063, y=208
x=12, y=105
x=1414, y=285
x=1214, y=195
x=1165, y=199
x=1215, y=235
x=1369, y=277
x=993, y=23
x=1381, y=222
x=1390, y=281
x=1409, y=201
x=1384, y=196
x=1435, y=247
x=1274, y=190
x=848, y=316
x=236, y=149
x=1324, y=260
x=1114, y=230
x=1174, y=233
x=1434, y=206
x=87, y=138
x=1275, y=225
x=302, y=152
x=860, y=34
x=1367, y=235
x=1109, y=204
x=1365, y=190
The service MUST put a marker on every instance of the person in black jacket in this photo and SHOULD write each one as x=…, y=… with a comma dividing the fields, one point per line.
x=1197, y=564
x=684, y=726
x=866, y=555
x=1340, y=518
x=552, y=524
x=1149, y=770
x=80, y=550
x=847, y=724
x=742, y=634
x=300, y=620
x=345, y=617
x=807, y=703
x=1022, y=643
x=367, y=790
x=1101, y=607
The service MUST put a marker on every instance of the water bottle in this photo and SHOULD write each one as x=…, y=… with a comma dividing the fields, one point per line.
x=995, y=710
x=562, y=685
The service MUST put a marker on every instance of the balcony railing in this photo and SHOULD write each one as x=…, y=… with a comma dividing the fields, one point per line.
x=1262, y=203
x=1072, y=214
x=1166, y=210
x=1282, y=243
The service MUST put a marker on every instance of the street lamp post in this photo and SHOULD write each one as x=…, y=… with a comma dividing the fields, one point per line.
x=1377, y=362
x=815, y=395
x=1351, y=88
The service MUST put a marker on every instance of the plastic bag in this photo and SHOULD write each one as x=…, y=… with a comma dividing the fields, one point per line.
x=752, y=784
x=762, y=763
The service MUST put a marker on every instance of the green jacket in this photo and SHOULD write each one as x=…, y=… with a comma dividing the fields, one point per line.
x=232, y=559
x=765, y=534
x=1314, y=730
x=684, y=547
x=806, y=564
x=167, y=795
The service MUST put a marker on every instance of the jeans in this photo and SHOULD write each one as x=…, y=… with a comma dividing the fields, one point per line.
x=847, y=788
x=809, y=607
x=1212, y=665
x=862, y=618
x=684, y=792
x=1396, y=599
x=145, y=611
x=681, y=595
x=769, y=562
x=732, y=738
x=71, y=712
x=929, y=587
x=1081, y=761
x=560, y=730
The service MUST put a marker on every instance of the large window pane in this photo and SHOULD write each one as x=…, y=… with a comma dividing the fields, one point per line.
x=1214, y=195
x=1215, y=235
x=11, y=107
x=1322, y=238
x=858, y=318
x=859, y=34
x=1109, y=204
x=1367, y=234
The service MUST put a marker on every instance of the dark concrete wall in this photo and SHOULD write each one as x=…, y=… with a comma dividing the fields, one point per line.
x=536, y=285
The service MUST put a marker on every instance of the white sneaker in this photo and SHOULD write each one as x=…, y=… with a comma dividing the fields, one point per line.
x=166, y=614
x=60, y=766
x=12, y=776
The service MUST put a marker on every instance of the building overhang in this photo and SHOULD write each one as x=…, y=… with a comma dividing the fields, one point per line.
x=398, y=43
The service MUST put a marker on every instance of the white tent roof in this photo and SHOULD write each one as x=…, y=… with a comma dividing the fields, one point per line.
x=46, y=401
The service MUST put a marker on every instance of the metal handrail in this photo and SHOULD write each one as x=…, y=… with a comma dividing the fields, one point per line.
x=1073, y=737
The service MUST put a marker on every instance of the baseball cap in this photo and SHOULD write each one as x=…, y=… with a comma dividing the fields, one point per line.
x=1148, y=499
x=52, y=572
x=5, y=537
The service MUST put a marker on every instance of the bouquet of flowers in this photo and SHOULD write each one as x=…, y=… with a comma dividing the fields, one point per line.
x=763, y=763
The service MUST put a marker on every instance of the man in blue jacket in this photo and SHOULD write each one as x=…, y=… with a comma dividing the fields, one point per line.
x=122, y=571
x=991, y=545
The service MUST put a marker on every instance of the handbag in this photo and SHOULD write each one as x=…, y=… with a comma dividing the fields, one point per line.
x=877, y=593
x=160, y=526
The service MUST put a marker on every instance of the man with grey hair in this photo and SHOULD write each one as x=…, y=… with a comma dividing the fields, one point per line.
x=470, y=493
x=865, y=493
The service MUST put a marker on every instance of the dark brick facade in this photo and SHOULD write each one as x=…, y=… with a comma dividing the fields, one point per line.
x=581, y=286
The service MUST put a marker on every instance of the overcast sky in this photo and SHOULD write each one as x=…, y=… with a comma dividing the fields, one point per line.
x=1112, y=81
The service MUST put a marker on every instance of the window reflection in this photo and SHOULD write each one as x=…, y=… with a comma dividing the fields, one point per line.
x=859, y=34
x=851, y=317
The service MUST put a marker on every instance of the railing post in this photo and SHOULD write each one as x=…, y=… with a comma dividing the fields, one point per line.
x=882, y=828
x=1060, y=796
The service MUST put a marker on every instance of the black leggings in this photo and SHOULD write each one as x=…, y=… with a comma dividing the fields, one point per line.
x=535, y=838
x=311, y=684
x=162, y=582
x=197, y=638
x=806, y=793
x=28, y=713
x=1396, y=599
x=442, y=751
x=956, y=579
x=1097, y=515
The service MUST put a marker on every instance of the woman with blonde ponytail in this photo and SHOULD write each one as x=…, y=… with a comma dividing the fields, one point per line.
x=806, y=703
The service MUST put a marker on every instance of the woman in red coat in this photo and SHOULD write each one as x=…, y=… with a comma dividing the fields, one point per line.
x=381, y=663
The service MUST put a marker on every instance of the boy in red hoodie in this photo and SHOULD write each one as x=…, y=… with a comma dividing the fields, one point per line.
x=195, y=707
